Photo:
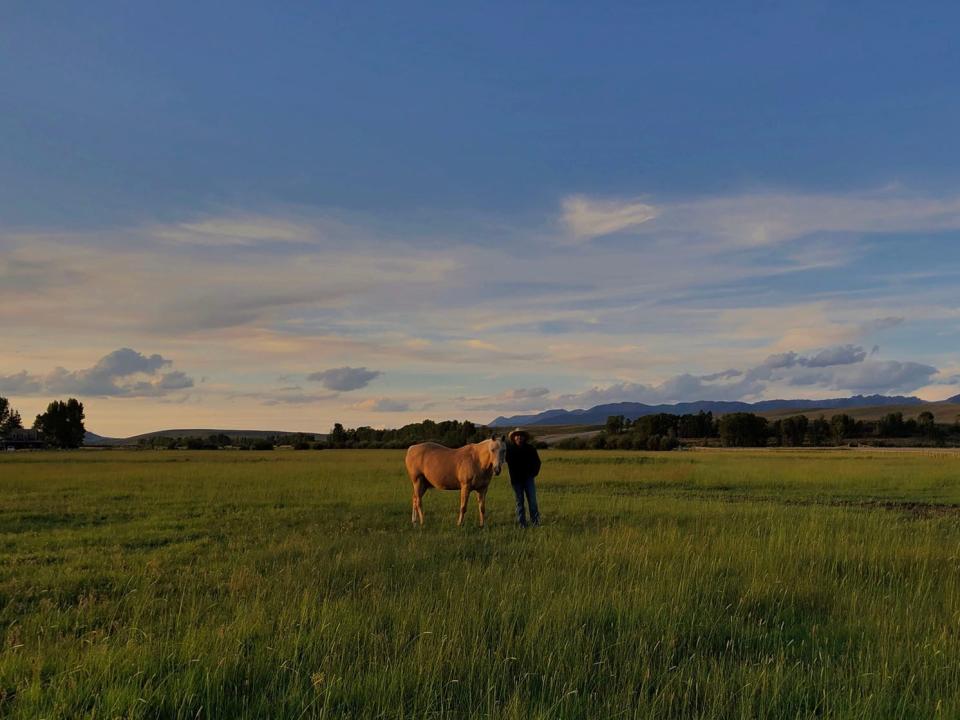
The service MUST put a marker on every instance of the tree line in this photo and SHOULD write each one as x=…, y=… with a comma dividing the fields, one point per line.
x=660, y=431
x=61, y=426
x=452, y=433
x=664, y=431
x=221, y=441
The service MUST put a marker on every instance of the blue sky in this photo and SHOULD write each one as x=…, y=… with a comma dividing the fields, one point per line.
x=467, y=210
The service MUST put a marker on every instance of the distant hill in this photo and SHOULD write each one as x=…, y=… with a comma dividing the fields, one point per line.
x=632, y=410
x=94, y=439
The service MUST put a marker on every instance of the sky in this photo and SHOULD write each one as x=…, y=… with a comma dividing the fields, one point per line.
x=283, y=215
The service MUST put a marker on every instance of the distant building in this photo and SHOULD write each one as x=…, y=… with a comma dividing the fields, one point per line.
x=23, y=440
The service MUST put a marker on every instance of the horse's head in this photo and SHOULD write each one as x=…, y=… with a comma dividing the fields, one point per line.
x=498, y=452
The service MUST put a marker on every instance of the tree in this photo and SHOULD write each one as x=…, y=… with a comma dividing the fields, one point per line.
x=743, y=430
x=9, y=418
x=818, y=431
x=696, y=426
x=658, y=424
x=793, y=430
x=892, y=425
x=338, y=436
x=926, y=424
x=62, y=423
x=842, y=426
x=615, y=424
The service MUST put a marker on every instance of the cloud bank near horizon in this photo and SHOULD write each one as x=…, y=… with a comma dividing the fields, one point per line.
x=745, y=295
x=121, y=373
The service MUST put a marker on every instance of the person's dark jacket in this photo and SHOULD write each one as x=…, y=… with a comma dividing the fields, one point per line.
x=523, y=462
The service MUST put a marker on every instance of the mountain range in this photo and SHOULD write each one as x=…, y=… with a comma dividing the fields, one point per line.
x=598, y=414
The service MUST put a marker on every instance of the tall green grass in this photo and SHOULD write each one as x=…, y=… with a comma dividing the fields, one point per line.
x=291, y=584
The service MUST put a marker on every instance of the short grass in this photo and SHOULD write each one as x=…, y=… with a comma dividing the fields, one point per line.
x=291, y=585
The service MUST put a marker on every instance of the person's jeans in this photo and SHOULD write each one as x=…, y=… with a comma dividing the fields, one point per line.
x=528, y=489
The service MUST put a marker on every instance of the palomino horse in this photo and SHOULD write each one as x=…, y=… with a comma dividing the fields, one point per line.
x=467, y=469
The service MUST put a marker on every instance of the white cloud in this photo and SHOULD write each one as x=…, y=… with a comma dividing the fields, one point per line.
x=590, y=217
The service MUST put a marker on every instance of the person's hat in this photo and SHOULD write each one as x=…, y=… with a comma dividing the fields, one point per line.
x=518, y=431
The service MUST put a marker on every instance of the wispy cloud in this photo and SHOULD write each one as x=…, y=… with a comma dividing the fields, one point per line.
x=588, y=217
x=288, y=397
x=344, y=379
x=758, y=219
x=382, y=405
x=235, y=231
x=69, y=280
x=513, y=399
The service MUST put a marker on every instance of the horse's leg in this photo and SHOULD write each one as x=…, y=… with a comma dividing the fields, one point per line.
x=482, y=504
x=418, y=493
x=413, y=500
x=464, y=496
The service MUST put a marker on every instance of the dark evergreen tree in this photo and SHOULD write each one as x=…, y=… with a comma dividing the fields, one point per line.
x=62, y=423
x=9, y=418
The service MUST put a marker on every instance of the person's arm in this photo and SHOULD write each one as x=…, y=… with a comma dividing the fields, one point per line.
x=535, y=461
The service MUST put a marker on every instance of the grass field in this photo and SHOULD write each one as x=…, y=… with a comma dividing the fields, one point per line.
x=291, y=585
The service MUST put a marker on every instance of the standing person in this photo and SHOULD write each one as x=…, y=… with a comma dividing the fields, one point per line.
x=524, y=464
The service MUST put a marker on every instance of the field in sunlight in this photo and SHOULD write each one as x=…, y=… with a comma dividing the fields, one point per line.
x=291, y=585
